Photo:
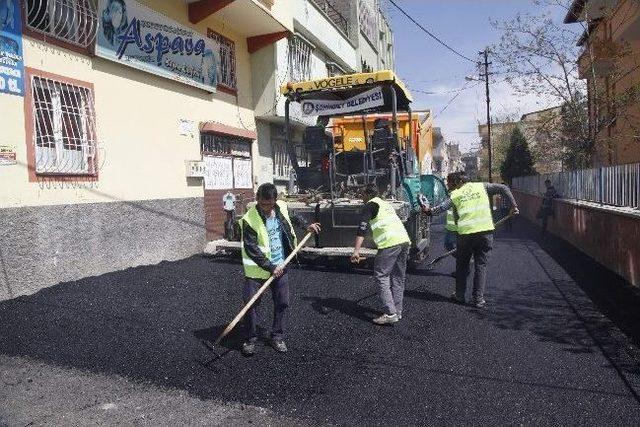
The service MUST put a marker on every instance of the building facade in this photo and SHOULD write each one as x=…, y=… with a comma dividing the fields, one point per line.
x=106, y=104
x=130, y=127
x=610, y=64
x=329, y=38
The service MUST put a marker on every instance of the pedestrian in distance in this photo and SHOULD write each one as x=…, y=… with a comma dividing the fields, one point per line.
x=390, y=263
x=546, y=209
x=268, y=237
x=475, y=232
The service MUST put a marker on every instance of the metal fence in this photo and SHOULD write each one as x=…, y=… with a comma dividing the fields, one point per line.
x=611, y=185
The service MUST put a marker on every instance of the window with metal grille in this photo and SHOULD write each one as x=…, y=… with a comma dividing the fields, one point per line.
x=281, y=161
x=219, y=144
x=299, y=59
x=64, y=133
x=72, y=21
x=227, y=59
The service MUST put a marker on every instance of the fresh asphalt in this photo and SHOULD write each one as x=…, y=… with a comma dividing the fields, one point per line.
x=540, y=353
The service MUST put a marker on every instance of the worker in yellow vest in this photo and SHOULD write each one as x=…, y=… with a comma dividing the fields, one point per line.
x=451, y=228
x=268, y=237
x=474, y=224
x=390, y=264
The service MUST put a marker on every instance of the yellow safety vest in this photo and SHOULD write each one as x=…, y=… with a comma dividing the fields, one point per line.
x=252, y=219
x=472, y=205
x=387, y=228
x=451, y=222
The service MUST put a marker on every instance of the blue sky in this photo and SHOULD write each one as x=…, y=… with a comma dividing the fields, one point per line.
x=425, y=65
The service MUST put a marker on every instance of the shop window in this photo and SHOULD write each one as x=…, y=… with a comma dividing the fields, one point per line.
x=281, y=161
x=69, y=21
x=299, y=59
x=63, y=127
x=227, y=60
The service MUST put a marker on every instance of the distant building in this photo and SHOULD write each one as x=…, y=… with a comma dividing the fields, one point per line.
x=609, y=63
x=471, y=161
x=440, y=163
x=455, y=158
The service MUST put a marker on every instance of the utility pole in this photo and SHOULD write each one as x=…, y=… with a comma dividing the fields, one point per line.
x=485, y=53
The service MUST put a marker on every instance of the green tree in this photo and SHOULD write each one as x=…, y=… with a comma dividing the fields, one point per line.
x=518, y=160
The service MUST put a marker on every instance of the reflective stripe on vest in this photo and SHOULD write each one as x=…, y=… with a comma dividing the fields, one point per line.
x=473, y=208
x=451, y=221
x=253, y=219
x=387, y=228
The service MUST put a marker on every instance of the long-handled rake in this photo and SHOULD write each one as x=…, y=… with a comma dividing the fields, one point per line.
x=431, y=265
x=212, y=345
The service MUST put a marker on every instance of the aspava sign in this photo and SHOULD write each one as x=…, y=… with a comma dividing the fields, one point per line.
x=139, y=37
x=321, y=107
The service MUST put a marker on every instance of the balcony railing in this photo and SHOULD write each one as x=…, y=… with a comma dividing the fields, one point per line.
x=336, y=17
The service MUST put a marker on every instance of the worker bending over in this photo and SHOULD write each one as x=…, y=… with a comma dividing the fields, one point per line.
x=390, y=264
x=268, y=237
x=472, y=214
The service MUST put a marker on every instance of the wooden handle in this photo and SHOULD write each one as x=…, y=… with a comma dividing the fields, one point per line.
x=263, y=288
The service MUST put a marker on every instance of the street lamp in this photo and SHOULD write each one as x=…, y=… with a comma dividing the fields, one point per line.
x=485, y=77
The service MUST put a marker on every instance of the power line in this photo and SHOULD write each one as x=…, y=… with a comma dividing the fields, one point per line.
x=430, y=34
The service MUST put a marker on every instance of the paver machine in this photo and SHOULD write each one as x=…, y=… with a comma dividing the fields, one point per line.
x=366, y=133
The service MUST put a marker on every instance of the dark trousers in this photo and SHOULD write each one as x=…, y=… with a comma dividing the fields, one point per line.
x=477, y=245
x=280, y=296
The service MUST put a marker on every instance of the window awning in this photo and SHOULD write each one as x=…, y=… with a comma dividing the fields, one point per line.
x=215, y=127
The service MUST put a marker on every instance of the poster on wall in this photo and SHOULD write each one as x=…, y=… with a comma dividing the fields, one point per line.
x=11, y=57
x=134, y=35
x=218, y=173
x=242, y=173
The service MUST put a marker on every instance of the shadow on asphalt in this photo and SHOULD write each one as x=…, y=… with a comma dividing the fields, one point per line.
x=610, y=292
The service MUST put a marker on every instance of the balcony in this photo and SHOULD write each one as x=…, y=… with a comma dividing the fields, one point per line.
x=249, y=18
x=334, y=16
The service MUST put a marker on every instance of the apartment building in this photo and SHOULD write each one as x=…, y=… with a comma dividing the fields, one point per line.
x=610, y=64
x=329, y=38
x=123, y=124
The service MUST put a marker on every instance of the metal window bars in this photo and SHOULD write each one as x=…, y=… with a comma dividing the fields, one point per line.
x=610, y=185
x=299, y=59
x=282, y=162
x=227, y=66
x=72, y=21
x=64, y=128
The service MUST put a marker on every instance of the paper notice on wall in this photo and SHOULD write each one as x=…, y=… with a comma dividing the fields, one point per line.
x=242, y=173
x=322, y=107
x=218, y=173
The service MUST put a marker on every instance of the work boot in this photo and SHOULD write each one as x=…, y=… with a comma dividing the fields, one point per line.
x=386, y=319
x=279, y=345
x=480, y=303
x=454, y=298
x=249, y=347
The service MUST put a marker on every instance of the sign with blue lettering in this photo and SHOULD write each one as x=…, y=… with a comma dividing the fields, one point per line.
x=11, y=58
x=139, y=37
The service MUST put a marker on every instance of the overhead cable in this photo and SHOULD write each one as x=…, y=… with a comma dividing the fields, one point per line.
x=430, y=34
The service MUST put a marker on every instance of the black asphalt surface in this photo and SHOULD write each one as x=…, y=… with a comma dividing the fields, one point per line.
x=540, y=353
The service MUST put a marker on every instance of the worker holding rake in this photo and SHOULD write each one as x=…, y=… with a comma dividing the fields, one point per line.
x=474, y=224
x=268, y=238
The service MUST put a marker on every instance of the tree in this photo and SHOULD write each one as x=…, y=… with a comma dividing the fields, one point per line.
x=539, y=57
x=518, y=160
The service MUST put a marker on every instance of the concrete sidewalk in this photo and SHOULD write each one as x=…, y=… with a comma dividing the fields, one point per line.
x=114, y=348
